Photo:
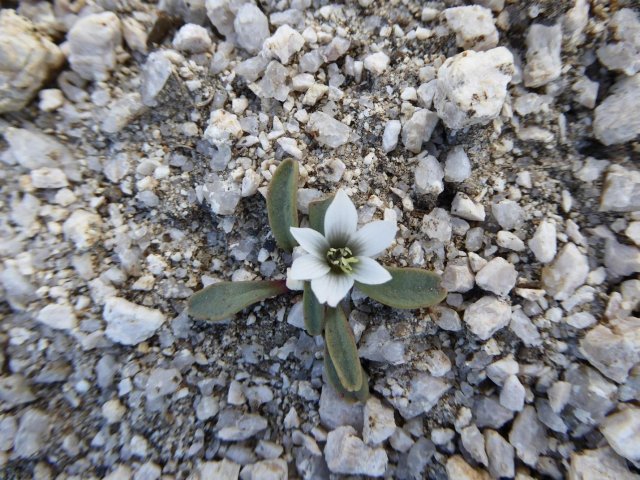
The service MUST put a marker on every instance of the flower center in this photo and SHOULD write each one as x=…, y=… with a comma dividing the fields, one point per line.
x=342, y=258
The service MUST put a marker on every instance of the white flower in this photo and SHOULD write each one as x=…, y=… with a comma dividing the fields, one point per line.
x=343, y=254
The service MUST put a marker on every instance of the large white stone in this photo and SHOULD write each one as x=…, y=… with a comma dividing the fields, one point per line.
x=418, y=129
x=543, y=55
x=60, y=317
x=486, y=316
x=82, y=228
x=623, y=55
x=543, y=244
x=474, y=27
x=617, y=118
x=472, y=87
x=93, y=41
x=192, y=38
x=252, y=27
x=498, y=276
x=27, y=60
x=621, y=191
x=330, y=132
x=223, y=128
x=346, y=454
x=464, y=207
x=379, y=423
x=283, y=44
x=128, y=323
x=568, y=272
x=600, y=464
x=428, y=176
x=457, y=167
x=376, y=63
x=622, y=431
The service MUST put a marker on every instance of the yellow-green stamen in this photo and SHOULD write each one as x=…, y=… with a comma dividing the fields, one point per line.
x=342, y=258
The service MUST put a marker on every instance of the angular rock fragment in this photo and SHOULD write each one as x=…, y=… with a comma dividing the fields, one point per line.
x=486, y=316
x=376, y=63
x=33, y=433
x=346, y=454
x=500, y=454
x=390, y=135
x=623, y=55
x=622, y=431
x=457, y=167
x=283, y=44
x=474, y=27
x=128, y=323
x=460, y=470
x=543, y=55
x=543, y=244
x=599, y=464
x=464, y=207
x=621, y=191
x=614, y=122
x=93, y=41
x=498, y=276
x=192, y=38
x=328, y=130
x=472, y=87
x=568, y=272
x=528, y=436
x=429, y=175
x=251, y=27
x=418, y=129
x=423, y=393
x=155, y=74
x=379, y=423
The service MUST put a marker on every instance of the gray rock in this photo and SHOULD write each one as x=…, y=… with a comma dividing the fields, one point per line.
x=423, y=393
x=336, y=412
x=622, y=431
x=461, y=100
x=621, y=260
x=379, y=347
x=274, y=469
x=489, y=413
x=474, y=27
x=251, y=27
x=528, y=436
x=447, y=319
x=223, y=470
x=128, y=323
x=621, y=191
x=613, y=122
x=155, y=74
x=497, y=276
x=33, y=150
x=14, y=391
x=559, y=394
x=33, y=433
x=524, y=328
x=473, y=442
x=27, y=61
x=460, y=470
x=486, y=316
x=147, y=471
x=592, y=396
x=162, y=382
x=8, y=429
x=418, y=129
x=512, y=394
x=550, y=418
x=122, y=112
x=458, y=278
x=330, y=132
x=500, y=455
x=419, y=456
x=508, y=214
x=568, y=272
x=437, y=225
x=93, y=41
x=543, y=55
x=499, y=371
x=599, y=464
x=59, y=317
x=428, y=176
x=379, y=423
x=346, y=454
x=623, y=55
x=244, y=427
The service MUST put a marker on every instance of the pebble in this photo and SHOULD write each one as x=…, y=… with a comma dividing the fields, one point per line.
x=447, y=319
x=586, y=92
x=622, y=431
x=113, y=411
x=461, y=100
x=336, y=412
x=147, y=471
x=486, y=316
x=82, y=228
x=509, y=241
x=378, y=346
x=192, y=38
x=272, y=469
x=500, y=455
x=508, y=214
x=512, y=394
x=602, y=463
x=283, y=44
x=524, y=329
x=379, y=423
x=154, y=77
x=613, y=123
x=437, y=225
x=528, y=437
x=464, y=207
x=419, y=456
x=93, y=41
x=128, y=323
x=401, y=441
x=346, y=454
x=33, y=150
x=162, y=382
x=245, y=427
x=14, y=391
x=28, y=60
x=8, y=429
x=34, y=430
x=376, y=63
x=251, y=27
x=422, y=394
x=543, y=62
x=497, y=276
x=428, y=176
x=581, y=320
x=568, y=272
x=474, y=27
x=621, y=191
x=330, y=132
x=458, y=278
x=623, y=55
x=457, y=167
x=488, y=412
x=418, y=129
x=504, y=368
x=473, y=442
x=223, y=128
x=390, y=135
x=224, y=469
x=543, y=244
x=58, y=316
x=460, y=470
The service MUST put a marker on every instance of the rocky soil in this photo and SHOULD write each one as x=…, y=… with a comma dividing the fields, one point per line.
x=137, y=140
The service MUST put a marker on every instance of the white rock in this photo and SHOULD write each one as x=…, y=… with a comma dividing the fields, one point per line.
x=423, y=393
x=128, y=323
x=528, y=437
x=113, y=411
x=543, y=244
x=428, y=176
x=437, y=225
x=575, y=21
x=599, y=464
x=245, y=427
x=498, y=276
x=251, y=27
x=223, y=470
x=457, y=468
x=8, y=428
x=499, y=371
x=508, y=214
x=486, y=316
x=33, y=433
x=524, y=329
x=222, y=13
x=447, y=319
x=474, y=27
x=426, y=92
x=147, y=471
x=472, y=87
x=500, y=455
x=33, y=150
x=330, y=132
x=283, y=44
x=390, y=135
x=60, y=317
x=624, y=55
x=543, y=55
x=121, y=112
x=379, y=423
x=568, y=272
x=14, y=391
x=336, y=412
x=473, y=442
x=457, y=167
x=613, y=121
x=509, y=241
x=621, y=191
x=346, y=454
x=586, y=92
x=378, y=346
x=273, y=469
x=457, y=278
x=51, y=99
x=223, y=128
x=27, y=61
x=274, y=82
x=622, y=431
x=314, y=93
x=93, y=41
x=192, y=38
x=464, y=207
x=82, y=228
x=155, y=74
x=418, y=129
x=376, y=63
x=207, y=408
x=46, y=177
x=512, y=394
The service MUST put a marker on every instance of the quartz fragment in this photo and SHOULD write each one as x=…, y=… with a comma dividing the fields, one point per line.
x=498, y=276
x=474, y=27
x=245, y=427
x=379, y=423
x=543, y=55
x=128, y=323
x=422, y=394
x=460, y=470
x=512, y=394
x=346, y=454
x=486, y=316
x=330, y=132
x=528, y=436
x=500, y=454
x=251, y=27
x=390, y=135
x=283, y=44
x=622, y=431
x=457, y=167
x=33, y=433
x=473, y=442
x=155, y=74
x=60, y=317
x=192, y=38
x=543, y=243
x=93, y=41
x=621, y=192
x=568, y=272
x=82, y=228
x=376, y=63
x=508, y=214
x=428, y=176
x=599, y=464
x=464, y=207
x=418, y=129
x=623, y=55
x=472, y=87
x=614, y=122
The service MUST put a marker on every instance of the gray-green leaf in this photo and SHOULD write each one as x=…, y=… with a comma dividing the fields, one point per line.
x=317, y=210
x=281, y=203
x=342, y=349
x=408, y=288
x=221, y=300
x=313, y=311
x=332, y=377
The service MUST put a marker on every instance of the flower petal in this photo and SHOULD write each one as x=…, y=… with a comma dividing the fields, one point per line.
x=308, y=267
x=341, y=220
x=312, y=241
x=373, y=239
x=370, y=272
x=331, y=288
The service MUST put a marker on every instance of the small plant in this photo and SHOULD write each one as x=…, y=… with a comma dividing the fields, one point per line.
x=338, y=255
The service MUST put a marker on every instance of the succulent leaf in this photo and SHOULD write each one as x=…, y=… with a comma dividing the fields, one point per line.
x=282, y=203
x=313, y=311
x=408, y=288
x=342, y=349
x=332, y=377
x=221, y=300
x=317, y=209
